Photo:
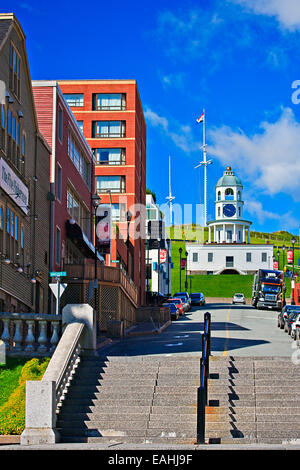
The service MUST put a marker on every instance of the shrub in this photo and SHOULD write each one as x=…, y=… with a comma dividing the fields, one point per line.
x=12, y=413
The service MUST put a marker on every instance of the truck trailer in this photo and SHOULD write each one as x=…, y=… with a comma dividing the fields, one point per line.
x=268, y=289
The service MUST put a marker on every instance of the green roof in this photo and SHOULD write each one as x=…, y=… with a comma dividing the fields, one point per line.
x=229, y=179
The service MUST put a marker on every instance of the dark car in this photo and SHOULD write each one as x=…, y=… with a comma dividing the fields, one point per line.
x=197, y=298
x=289, y=320
x=183, y=294
x=174, y=312
x=287, y=309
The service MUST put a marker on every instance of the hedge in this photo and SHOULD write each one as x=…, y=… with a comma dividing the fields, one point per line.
x=12, y=413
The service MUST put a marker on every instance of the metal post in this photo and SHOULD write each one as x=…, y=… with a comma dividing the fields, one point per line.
x=180, y=251
x=201, y=416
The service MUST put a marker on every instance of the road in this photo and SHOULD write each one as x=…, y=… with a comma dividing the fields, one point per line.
x=236, y=331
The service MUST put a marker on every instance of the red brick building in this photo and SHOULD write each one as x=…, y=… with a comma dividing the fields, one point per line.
x=71, y=179
x=111, y=117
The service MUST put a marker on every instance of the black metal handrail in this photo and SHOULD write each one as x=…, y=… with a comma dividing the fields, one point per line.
x=204, y=375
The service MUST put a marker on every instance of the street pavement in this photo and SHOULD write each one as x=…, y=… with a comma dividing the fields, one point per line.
x=236, y=330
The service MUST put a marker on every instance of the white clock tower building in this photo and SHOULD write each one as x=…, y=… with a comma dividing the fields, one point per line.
x=229, y=225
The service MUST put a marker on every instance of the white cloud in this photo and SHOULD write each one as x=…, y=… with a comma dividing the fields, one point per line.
x=181, y=135
x=287, y=12
x=269, y=159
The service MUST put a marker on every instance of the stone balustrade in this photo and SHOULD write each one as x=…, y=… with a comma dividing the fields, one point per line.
x=27, y=334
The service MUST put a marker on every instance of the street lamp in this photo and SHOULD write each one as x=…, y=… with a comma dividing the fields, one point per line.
x=180, y=252
x=278, y=254
x=95, y=203
x=128, y=218
x=283, y=260
x=293, y=241
x=186, y=281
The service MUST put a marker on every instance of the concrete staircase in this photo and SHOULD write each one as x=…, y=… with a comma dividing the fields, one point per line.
x=132, y=399
x=253, y=400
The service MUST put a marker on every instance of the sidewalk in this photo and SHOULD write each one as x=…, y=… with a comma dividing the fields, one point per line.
x=147, y=328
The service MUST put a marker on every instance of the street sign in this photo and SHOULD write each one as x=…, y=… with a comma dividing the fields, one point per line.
x=58, y=273
x=57, y=289
x=115, y=261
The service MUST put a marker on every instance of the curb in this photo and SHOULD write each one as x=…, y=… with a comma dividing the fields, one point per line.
x=104, y=343
x=9, y=439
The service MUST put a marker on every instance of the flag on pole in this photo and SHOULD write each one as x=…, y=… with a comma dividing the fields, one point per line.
x=201, y=118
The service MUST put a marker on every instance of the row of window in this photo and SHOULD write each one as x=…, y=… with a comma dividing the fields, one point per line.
x=229, y=195
x=14, y=71
x=210, y=257
x=12, y=138
x=77, y=157
x=100, y=101
x=79, y=212
x=11, y=234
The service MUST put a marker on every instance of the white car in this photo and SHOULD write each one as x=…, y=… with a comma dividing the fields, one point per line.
x=295, y=327
x=239, y=299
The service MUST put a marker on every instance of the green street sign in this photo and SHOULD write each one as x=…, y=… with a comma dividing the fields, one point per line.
x=115, y=261
x=58, y=273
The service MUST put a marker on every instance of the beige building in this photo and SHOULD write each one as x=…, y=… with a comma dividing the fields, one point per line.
x=24, y=181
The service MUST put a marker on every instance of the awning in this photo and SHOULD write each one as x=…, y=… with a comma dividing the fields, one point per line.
x=79, y=238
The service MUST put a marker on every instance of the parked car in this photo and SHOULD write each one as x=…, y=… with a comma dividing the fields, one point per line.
x=185, y=294
x=197, y=298
x=295, y=326
x=239, y=299
x=179, y=304
x=186, y=305
x=174, y=312
x=286, y=310
x=289, y=320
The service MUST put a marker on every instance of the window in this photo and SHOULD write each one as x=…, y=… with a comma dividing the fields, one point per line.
x=114, y=184
x=12, y=227
x=219, y=211
x=210, y=257
x=108, y=129
x=248, y=257
x=2, y=129
x=80, y=125
x=264, y=257
x=229, y=261
x=109, y=101
x=60, y=123
x=110, y=156
x=118, y=212
x=13, y=140
x=229, y=194
x=14, y=71
x=195, y=257
x=78, y=212
x=76, y=155
x=75, y=99
x=239, y=195
x=239, y=212
x=57, y=246
x=1, y=229
x=219, y=195
x=59, y=182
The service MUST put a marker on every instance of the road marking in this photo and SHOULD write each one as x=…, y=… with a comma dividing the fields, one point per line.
x=176, y=344
x=227, y=333
x=182, y=336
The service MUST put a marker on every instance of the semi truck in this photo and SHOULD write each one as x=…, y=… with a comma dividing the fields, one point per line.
x=268, y=289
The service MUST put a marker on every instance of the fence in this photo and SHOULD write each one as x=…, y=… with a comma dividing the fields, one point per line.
x=28, y=333
x=204, y=374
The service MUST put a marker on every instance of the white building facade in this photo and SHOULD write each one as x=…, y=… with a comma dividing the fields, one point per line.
x=158, y=251
x=228, y=249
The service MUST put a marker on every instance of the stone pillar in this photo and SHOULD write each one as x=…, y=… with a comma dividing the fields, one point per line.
x=40, y=414
x=209, y=234
x=249, y=235
x=82, y=313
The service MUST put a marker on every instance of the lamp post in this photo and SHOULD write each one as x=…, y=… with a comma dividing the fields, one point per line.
x=293, y=241
x=128, y=218
x=278, y=254
x=186, y=281
x=283, y=260
x=180, y=252
x=95, y=202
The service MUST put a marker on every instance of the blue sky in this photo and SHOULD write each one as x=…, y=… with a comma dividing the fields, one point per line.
x=237, y=59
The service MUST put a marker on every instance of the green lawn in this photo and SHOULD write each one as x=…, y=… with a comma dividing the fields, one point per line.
x=9, y=377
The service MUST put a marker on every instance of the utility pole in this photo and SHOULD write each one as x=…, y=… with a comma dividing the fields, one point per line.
x=204, y=163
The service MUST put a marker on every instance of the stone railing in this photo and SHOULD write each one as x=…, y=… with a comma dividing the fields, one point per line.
x=29, y=333
x=44, y=397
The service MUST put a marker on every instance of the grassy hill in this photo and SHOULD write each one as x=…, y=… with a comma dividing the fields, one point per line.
x=223, y=285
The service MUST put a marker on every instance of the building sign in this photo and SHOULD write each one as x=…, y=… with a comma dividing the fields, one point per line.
x=13, y=186
x=163, y=255
x=103, y=228
x=289, y=254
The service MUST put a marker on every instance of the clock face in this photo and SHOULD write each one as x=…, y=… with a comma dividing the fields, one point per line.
x=229, y=210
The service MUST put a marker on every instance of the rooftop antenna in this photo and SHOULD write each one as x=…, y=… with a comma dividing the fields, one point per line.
x=170, y=198
x=204, y=163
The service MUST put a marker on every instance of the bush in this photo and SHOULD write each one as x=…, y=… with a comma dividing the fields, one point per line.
x=12, y=413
